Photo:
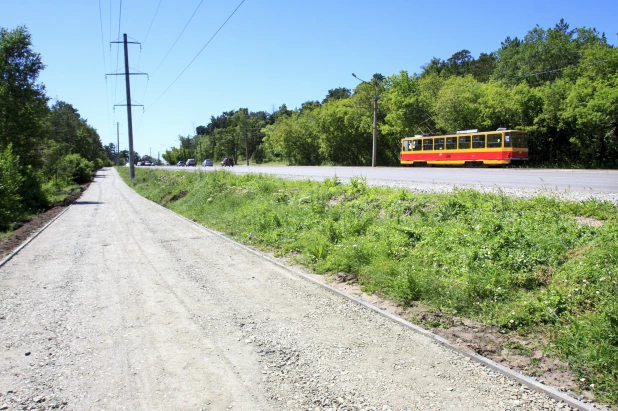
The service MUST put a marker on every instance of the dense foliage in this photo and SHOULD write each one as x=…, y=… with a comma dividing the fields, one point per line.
x=559, y=84
x=529, y=266
x=43, y=149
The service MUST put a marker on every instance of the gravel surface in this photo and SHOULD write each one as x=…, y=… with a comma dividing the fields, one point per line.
x=121, y=305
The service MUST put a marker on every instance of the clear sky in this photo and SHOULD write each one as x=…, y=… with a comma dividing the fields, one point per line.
x=269, y=53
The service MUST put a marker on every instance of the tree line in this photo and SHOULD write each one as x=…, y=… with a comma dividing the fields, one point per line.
x=44, y=149
x=558, y=84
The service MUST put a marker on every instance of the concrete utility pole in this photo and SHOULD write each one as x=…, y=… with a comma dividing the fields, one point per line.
x=246, y=148
x=375, y=131
x=117, y=142
x=374, y=151
x=127, y=75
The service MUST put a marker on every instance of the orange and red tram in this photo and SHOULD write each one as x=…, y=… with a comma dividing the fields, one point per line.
x=466, y=147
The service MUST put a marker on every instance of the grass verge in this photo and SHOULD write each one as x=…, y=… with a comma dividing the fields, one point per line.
x=528, y=266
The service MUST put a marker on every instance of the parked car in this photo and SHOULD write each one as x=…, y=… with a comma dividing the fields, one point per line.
x=139, y=163
x=191, y=162
x=181, y=164
x=147, y=163
x=207, y=163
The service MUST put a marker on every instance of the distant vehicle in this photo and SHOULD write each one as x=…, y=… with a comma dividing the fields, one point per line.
x=191, y=162
x=147, y=163
x=207, y=163
x=139, y=163
x=227, y=162
x=181, y=164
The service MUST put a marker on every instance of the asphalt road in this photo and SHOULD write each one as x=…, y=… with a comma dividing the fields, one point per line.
x=121, y=304
x=605, y=181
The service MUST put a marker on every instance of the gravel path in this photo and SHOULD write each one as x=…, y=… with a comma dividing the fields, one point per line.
x=121, y=305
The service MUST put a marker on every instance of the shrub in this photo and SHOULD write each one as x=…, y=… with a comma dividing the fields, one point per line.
x=10, y=185
x=75, y=168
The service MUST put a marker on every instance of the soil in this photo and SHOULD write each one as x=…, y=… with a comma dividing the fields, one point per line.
x=25, y=229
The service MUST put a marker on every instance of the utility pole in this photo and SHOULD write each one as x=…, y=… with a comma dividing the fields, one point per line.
x=375, y=121
x=117, y=142
x=127, y=75
x=246, y=147
x=375, y=130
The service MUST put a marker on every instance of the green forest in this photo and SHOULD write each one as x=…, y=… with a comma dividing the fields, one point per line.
x=46, y=148
x=558, y=84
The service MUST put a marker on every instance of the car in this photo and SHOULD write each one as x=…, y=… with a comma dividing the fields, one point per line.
x=191, y=162
x=139, y=163
x=147, y=163
x=207, y=163
x=181, y=164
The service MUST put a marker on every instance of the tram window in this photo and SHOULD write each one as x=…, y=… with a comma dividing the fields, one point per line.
x=508, y=142
x=464, y=142
x=478, y=141
x=439, y=144
x=417, y=145
x=427, y=144
x=519, y=140
x=405, y=146
x=494, y=140
x=451, y=143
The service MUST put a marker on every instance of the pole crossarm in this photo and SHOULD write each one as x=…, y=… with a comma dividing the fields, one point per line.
x=124, y=74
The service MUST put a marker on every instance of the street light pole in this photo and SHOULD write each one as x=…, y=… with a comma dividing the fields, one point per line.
x=374, y=150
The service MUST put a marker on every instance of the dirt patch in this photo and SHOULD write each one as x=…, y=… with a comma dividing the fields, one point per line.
x=25, y=229
x=165, y=200
x=590, y=221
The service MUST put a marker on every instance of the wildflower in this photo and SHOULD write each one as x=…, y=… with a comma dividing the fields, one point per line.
x=512, y=312
x=511, y=321
x=582, y=379
x=591, y=385
x=597, y=292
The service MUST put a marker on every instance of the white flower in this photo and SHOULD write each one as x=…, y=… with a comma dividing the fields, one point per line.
x=511, y=321
x=582, y=379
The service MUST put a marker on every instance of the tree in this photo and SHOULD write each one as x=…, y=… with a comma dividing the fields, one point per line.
x=338, y=93
x=23, y=103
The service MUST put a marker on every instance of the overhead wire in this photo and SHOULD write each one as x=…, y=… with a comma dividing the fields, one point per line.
x=151, y=22
x=178, y=38
x=118, y=50
x=200, y=52
x=104, y=62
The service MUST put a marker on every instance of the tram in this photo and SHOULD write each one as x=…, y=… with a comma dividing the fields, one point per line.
x=466, y=147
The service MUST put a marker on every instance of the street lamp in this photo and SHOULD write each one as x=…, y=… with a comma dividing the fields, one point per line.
x=375, y=123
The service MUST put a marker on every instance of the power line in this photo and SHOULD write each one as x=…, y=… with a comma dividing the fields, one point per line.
x=200, y=52
x=118, y=49
x=104, y=62
x=177, y=38
x=151, y=22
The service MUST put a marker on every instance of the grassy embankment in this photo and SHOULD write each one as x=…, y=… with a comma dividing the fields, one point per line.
x=528, y=266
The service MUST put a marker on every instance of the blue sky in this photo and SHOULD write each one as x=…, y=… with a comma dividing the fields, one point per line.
x=270, y=52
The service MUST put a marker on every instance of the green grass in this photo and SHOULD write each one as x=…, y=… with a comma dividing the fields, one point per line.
x=526, y=265
x=56, y=193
